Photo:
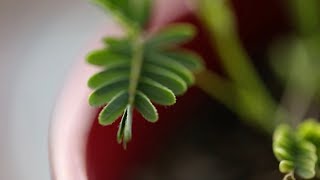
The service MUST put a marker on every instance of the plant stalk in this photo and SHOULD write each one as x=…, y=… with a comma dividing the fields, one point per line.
x=136, y=66
x=252, y=100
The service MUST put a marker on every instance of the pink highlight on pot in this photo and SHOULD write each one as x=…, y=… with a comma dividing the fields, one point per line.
x=166, y=11
x=73, y=117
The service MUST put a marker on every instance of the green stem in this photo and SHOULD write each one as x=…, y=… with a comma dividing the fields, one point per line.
x=135, y=72
x=216, y=87
x=220, y=21
x=227, y=93
x=252, y=98
x=136, y=66
x=301, y=85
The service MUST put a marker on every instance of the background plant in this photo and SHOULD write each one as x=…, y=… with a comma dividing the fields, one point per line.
x=295, y=60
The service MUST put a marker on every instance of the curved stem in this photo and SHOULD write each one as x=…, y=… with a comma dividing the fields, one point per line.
x=298, y=98
x=234, y=98
x=216, y=87
x=289, y=176
x=124, y=133
x=251, y=97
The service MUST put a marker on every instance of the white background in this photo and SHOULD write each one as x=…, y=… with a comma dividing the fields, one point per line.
x=39, y=42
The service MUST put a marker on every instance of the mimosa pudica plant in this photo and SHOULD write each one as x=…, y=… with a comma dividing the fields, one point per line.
x=141, y=69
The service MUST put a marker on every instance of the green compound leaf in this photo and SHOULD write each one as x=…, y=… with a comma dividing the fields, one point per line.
x=114, y=109
x=139, y=69
x=146, y=108
x=295, y=154
x=172, y=35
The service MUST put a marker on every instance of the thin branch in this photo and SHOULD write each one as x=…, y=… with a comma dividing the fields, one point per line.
x=253, y=99
x=136, y=66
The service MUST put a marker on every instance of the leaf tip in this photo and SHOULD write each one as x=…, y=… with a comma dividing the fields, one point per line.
x=102, y=121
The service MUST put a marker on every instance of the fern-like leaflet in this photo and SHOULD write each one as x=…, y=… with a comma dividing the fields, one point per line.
x=296, y=155
x=139, y=71
x=309, y=130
